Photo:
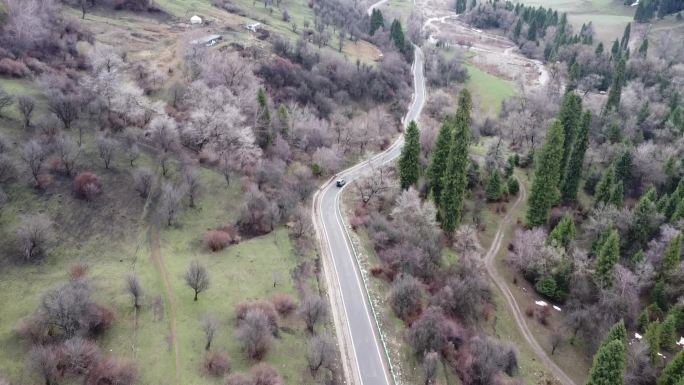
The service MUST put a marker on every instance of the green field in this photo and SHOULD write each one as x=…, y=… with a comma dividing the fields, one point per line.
x=488, y=90
x=609, y=17
x=112, y=235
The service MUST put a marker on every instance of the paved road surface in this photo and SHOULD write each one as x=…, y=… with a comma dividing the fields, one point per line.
x=367, y=355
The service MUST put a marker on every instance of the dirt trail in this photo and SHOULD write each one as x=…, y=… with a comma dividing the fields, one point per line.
x=158, y=258
x=490, y=264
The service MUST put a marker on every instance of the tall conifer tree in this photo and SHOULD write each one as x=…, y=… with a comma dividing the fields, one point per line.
x=409, y=160
x=544, y=192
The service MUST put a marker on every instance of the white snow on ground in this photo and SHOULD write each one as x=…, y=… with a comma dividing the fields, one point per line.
x=681, y=341
x=541, y=303
x=556, y=308
x=637, y=336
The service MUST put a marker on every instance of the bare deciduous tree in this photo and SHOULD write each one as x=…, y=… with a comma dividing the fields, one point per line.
x=134, y=289
x=133, y=153
x=312, y=310
x=143, y=180
x=44, y=361
x=26, y=106
x=68, y=152
x=33, y=154
x=171, y=202
x=209, y=326
x=197, y=278
x=64, y=107
x=255, y=334
x=192, y=183
x=164, y=131
x=405, y=297
x=79, y=355
x=375, y=183
x=6, y=100
x=34, y=234
x=8, y=170
x=321, y=353
x=430, y=362
x=555, y=339
x=106, y=147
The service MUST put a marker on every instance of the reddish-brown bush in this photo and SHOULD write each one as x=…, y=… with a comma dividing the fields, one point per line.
x=78, y=270
x=232, y=230
x=87, y=185
x=216, y=363
x=269, y=310
x=216, y=240
x=43, y=181
x=111, y=371
x=14, y=68
x=529, y=311
x=543, y=315
x=101, y=321
x=283, y=303
x=264, y=374
x=376, y=271
x=238, y=379
x=78, y=355
x=33, y=329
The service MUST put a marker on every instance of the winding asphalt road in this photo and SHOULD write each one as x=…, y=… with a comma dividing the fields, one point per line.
x=361, y=342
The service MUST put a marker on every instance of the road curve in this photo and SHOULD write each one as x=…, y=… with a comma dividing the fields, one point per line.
x=364, y=357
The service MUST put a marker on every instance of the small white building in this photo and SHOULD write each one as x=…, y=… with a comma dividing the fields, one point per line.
x=195, y=20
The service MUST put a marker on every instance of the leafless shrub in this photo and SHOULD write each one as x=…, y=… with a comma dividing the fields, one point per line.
x=26, y=106
x=68, y=152
x=170, y=203
x=111, y=371
x=134, y=289
x=321, y=353
x=79, y=355
x=33, y=236
x=193, y=184
x=254, y=333
x=209, y=326
x=264, y=374
x=44, y=361
x=216, y=363
x=33, y=154
x=312, y=310
x=242, y=309
x=284, y=304
x=143, y=181
x=106, y=147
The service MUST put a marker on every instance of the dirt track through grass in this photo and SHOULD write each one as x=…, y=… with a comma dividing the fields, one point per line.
x=158, y=258
x=508, y=295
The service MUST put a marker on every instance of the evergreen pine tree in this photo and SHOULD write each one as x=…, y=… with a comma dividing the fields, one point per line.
x=376, y=21
x=643, y=48
x=617, y=332
x=609, y=365
x=563, y=233
x=673, y=374
x=263, y=134
x=573, y=169
x=494, y=188
x=617, y=194
x=615, y=49
x=652, y=337
x=668, y=332
x=517, y=30
x=532, y=31
x=623, y=166
x=569, y=115
x=672, y=255
x=455, y=179
x=642, y=226
x=409, y=160
x=397, y=34
x=615, y=92
x=513, y=186
x=608, y=256
x=599, y=49
x=544, y=194
x=605, y=187
x=678, y=213
x=625, y=37
x=440, y=154
x=284, y=120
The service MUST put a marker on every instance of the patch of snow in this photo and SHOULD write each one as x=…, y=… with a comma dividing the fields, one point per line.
x=541, y=303
x=637, y=336
x=556, y=308
x=662, y=355
x=195, y=20
x=634, y=4
x=681, y=341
